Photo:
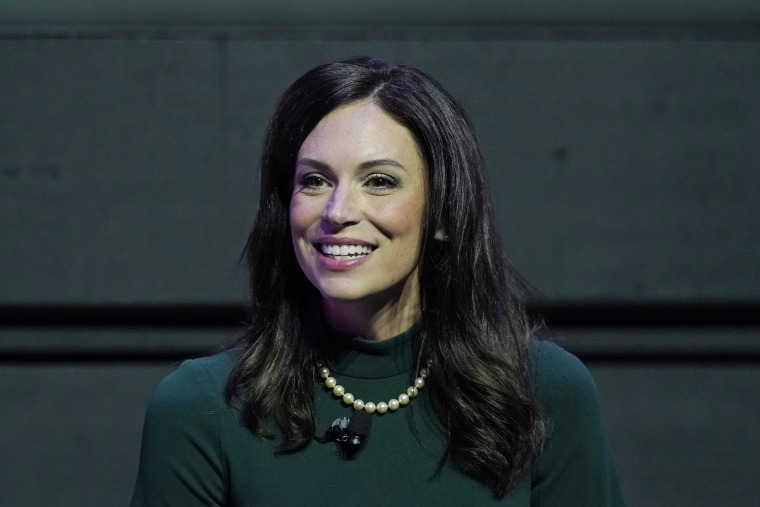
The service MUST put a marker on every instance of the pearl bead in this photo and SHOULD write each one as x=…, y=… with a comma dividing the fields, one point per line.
x=419, y=382
x=324, y=372
x=338, y=390
x=403, y=399
x=358, y=404
x=412, y=391
x=393, y=404
x=348, y=399
x=382, y=407
x=330, y=382
x=369, y=407
x=424, y=373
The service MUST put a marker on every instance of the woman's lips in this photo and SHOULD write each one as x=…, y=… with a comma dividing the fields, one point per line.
x=343, y=256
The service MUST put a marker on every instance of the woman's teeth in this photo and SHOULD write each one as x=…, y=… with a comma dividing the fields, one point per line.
x=347, y=251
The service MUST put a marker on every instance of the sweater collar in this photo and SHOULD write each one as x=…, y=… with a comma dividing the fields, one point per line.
x=370, y=359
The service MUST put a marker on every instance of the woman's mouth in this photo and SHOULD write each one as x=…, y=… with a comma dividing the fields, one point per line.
x=345, y=252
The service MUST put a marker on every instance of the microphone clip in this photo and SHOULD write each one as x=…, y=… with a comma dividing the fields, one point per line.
x=349, y=434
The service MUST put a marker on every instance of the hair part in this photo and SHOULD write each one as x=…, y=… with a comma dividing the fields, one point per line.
x=473, y=326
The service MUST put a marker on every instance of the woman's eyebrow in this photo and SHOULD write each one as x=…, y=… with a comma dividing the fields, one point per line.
x=380, y=162
x=316, y=164
x=369, y=164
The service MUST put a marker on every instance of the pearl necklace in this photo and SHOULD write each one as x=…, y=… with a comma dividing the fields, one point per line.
x=370, y=407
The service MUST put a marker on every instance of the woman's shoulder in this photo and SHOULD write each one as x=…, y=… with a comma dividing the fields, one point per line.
x=562, y=381
x=195, y=382
x=181, y=460
x=575, y=466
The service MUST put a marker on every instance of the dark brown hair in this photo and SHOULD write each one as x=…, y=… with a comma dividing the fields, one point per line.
x=473, y=325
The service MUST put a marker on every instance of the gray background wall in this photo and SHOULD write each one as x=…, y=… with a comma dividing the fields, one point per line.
x=623, y=146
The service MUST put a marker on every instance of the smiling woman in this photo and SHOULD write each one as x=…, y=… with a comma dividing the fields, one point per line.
x=356, y=219
x=375, y=259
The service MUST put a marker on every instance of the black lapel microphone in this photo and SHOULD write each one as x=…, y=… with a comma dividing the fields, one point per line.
x=350, y=437
x=357, y=432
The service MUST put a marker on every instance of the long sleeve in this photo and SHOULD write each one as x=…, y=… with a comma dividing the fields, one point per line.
x=180, y=460
x=575, y=467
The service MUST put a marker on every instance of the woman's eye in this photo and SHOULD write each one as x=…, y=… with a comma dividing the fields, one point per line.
x=381, y=182
x=312, y=181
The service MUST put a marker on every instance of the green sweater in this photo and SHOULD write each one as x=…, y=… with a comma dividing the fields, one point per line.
x=196, y=452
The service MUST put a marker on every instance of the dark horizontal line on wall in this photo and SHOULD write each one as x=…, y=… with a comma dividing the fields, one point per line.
x=649, y=315
x=162, y=316
x=675, y=357
x=100, y=356
x=169, y=356
x=749, y=31
x=557, y=314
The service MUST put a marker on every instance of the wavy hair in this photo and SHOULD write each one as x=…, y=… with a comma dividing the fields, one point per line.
x=473, y=328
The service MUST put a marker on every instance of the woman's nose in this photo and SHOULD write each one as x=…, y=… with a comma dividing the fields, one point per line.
x=343, y=207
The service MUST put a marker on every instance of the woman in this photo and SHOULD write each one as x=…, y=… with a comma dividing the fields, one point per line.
x=380, y=299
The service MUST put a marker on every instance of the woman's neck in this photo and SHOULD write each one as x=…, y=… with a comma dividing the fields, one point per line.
x=376, y=318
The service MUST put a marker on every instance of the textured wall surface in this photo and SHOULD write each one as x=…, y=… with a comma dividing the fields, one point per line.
x=391, y=12
x=622, y=169
x=623, y=164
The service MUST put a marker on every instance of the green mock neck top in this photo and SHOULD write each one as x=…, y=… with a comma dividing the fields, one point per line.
x=372, y=359
x=196, y=451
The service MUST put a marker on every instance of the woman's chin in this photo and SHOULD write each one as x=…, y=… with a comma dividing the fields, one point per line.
x=343, y=295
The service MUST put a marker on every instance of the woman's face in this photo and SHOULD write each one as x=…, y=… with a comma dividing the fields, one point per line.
x=357, y=207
